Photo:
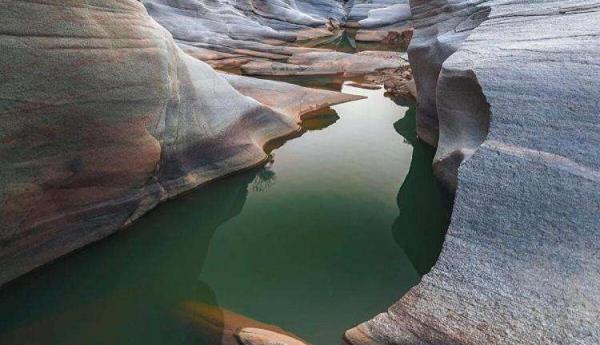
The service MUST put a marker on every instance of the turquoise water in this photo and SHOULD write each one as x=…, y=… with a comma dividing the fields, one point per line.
x=342, y=222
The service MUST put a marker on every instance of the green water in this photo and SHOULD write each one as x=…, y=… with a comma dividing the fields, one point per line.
x=343, y=221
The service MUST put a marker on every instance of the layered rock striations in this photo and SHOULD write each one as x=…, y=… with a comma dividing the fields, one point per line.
x=513, y=89
x=229, y=34
x=102, y=116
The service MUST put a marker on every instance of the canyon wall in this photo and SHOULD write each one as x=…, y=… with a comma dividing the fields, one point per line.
x=246, y=34
x=510, y=93
x=102, y=116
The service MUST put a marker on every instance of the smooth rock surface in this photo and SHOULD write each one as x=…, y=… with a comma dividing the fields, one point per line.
x=224, y=327
x=378, y=13
x=258, y=336
x=231, y=34
x=515, y=88
x=379, y=17
x=102, y=116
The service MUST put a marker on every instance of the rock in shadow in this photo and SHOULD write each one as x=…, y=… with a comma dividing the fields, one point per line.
x=127, y=288
x=424, y=217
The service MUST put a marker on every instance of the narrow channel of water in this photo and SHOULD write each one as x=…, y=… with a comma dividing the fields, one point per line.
x=343, y=221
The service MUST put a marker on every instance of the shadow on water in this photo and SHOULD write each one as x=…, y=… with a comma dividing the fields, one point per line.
x=115, y=289
x=424, y=215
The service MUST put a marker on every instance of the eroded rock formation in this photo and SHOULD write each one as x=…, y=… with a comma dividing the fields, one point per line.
x=262, y=36
x=102, y=116
x=513, y=89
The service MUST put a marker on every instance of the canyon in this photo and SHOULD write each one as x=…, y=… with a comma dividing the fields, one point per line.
x=108, y=108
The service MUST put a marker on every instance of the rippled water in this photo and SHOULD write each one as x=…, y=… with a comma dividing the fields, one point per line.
x=343, y=221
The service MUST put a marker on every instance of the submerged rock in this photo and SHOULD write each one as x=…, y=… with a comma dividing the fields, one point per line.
x=102, y=116
x=217, y=326
x=258, y=336
x=513, y=89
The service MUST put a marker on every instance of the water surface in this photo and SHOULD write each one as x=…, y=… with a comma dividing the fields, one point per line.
x=343, y=221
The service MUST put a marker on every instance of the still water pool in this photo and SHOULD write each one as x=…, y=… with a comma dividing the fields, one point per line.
x=335, y=229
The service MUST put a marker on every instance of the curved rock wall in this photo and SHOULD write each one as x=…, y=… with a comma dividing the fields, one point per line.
x=228, y=34
x=102, y=116
x=516, y=89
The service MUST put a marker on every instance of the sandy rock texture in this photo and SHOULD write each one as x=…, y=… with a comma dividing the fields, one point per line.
x=102, y=116
x=515, y=88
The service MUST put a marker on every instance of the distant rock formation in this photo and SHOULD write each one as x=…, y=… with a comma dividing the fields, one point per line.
x=510, y=93
x=102, y=116
x=230, y=34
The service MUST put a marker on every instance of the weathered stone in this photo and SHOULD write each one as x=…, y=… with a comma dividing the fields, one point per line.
x=329, y=63
x=379, y=17
x=289, y=99
x=378, y=13
x=249, y=27
x=102, y=116
x=515, y=88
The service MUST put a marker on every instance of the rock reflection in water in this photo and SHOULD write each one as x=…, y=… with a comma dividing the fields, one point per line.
x=423, y=217
x=126, y=286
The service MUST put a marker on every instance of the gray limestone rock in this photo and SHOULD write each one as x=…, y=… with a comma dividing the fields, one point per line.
x=515, y=88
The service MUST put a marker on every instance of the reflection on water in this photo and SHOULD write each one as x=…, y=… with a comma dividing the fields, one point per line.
x=316, y=242
x=124, y=289
x=424, y=216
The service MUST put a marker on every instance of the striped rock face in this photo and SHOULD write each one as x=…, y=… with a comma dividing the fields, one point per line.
x=509, y=91
x=102, y=116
